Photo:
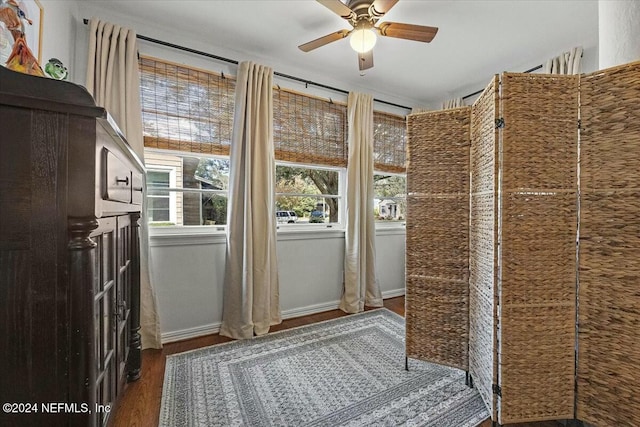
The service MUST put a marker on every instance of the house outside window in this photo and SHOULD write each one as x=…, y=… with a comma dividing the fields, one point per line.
x=390, y=200
x=161, y=204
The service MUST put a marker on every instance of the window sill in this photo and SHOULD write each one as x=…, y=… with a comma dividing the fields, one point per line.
x=207, y=235
x=189, y=235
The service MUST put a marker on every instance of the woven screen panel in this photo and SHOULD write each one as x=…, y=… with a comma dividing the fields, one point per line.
x=541, y=233
x=437, y=250
x=309, y=130
x=539, y=149
x=541, y=368
x=482, y=244
x=445, y=301
x=389, y=142
x=436, y=241
x=538, y=246
x=185, y=108
x=438, y=149
x=608, y=391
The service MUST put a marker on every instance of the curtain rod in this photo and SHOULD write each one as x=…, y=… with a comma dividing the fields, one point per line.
x=231, y=61
x=537, y=67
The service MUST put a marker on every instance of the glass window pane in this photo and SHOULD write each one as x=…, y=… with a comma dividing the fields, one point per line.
x=307, y=210
x=158, y=179
x=390, y=201
x=204, y=180
x=300, y=180
x=214, y=209
x=298, y=190
x=158, y=208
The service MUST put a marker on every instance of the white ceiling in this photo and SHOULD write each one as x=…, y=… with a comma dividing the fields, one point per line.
x=476, y=40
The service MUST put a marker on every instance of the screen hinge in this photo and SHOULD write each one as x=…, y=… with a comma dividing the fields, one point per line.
x=496, y=389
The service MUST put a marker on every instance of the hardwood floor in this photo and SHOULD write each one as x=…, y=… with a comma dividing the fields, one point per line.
x=140, y=404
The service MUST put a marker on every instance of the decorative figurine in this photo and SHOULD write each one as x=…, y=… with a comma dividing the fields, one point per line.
x=13, y=18
x=21, y=58
x=56, y=69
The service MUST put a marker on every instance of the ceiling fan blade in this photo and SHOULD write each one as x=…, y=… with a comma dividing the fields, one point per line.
x=365, y=60
x=339, y=8
x=418, y=33
x=314, y=44
x=380, y=7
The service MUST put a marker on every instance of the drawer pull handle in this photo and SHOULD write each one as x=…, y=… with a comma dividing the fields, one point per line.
x=125, y=180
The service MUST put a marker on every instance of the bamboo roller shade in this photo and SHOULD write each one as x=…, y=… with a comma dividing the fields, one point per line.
x=190, y=109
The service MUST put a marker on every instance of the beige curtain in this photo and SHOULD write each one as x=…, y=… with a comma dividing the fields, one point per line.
x=251, y=296
x=360, y=285
x=453, y=103
x=567, y=63
x=113, y=80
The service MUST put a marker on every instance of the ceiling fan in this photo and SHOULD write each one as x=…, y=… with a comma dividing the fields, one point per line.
x=363, y=16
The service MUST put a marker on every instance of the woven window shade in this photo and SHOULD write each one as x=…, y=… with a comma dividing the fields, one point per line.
x=308, y=129
x=389, y=142
x=185, y=109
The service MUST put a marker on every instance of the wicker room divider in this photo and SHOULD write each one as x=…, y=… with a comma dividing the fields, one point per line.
x=437, y=268
x=537, y=209
x=553, y=326
x=483, y=240
x=608, y=381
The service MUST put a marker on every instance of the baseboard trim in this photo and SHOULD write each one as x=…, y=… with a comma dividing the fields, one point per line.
x=185, y=334
x=310, y=309
x=214, y=328
x=393, y=293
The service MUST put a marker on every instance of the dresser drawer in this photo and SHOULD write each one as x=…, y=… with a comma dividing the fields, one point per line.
x=117, y=178
x=136, y=195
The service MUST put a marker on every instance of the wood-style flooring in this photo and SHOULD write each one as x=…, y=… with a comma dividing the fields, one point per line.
x=140, y=404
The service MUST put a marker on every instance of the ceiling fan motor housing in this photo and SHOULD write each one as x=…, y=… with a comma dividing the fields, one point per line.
x=364, y=11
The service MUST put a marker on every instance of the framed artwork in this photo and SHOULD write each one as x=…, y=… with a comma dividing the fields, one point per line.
x=32, y=21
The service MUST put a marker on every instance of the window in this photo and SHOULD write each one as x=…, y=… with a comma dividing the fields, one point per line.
x=390, y=203
x=187, y=118
x=312, y=194
x=161, y=204
x=310, y=134
x=389, y=183
x=197, y=193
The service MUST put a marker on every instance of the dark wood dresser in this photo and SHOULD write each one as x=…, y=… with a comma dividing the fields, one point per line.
x=70, y=200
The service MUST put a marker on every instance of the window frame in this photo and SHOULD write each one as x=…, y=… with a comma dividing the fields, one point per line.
x=173, y=189
x=173, y=218
x=380, y=224
x=341, y=196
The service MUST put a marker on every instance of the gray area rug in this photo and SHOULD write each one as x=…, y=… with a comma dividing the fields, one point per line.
x=343, y=372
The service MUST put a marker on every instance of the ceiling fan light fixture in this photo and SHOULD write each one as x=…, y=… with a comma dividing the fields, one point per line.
x=362, y=40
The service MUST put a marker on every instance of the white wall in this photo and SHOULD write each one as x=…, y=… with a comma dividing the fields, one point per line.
x=59, y=29
x=188, y=274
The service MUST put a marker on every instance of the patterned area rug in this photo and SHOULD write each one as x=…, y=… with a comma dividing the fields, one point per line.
x=343, y=372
